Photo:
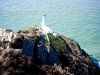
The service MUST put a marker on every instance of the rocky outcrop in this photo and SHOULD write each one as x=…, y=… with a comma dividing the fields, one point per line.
x=74, y=47
x=25, y=53
x=14, y=63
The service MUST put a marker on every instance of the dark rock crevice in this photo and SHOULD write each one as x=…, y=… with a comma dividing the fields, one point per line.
x=67, y=47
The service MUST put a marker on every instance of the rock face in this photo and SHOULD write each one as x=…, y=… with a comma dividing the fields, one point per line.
x=25, y=53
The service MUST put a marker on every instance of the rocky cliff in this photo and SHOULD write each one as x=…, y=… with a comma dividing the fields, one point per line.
x=26, y=53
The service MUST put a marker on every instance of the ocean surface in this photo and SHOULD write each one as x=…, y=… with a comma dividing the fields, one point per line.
x=76, y=19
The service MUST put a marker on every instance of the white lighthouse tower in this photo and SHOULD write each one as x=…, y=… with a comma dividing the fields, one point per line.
x=43, y=23
x=45, y=29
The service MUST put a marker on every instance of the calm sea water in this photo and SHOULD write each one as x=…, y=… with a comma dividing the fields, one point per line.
x=76, y=19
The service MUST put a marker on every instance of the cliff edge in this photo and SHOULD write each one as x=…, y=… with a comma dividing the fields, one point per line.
x=26, y=53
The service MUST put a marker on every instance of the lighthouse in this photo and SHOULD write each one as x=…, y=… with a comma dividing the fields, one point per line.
x=43, y=23
x=45, y=29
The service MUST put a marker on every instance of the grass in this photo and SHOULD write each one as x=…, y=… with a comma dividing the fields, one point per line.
x=44, y=36
x=57, y=42
x=32, y=28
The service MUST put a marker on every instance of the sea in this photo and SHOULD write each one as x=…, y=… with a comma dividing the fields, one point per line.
x=76, y=19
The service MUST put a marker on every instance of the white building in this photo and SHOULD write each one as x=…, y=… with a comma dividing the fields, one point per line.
x=45, y=29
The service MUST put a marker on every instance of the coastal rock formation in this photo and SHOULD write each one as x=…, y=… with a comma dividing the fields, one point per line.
x=26, y=52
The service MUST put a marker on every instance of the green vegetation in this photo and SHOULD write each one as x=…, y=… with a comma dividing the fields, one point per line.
x=44, y=36
x=0, y=37
x=57, y=43
x=73, y=45
x=32, y=28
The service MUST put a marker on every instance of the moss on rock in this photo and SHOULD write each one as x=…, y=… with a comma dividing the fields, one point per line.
x=57, y=43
